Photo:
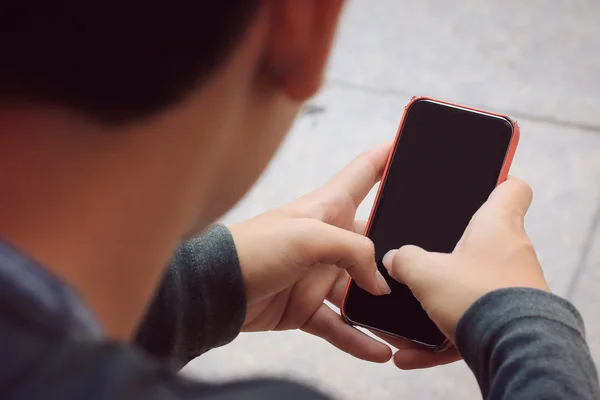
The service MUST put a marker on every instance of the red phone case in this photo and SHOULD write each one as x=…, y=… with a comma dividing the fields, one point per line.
x=503, y=176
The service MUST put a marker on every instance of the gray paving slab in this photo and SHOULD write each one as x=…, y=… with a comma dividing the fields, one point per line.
x=586, y=291
x=538, y=57
x=562, y=165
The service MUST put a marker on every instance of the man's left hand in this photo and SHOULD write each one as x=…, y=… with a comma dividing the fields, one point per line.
x=295, y=257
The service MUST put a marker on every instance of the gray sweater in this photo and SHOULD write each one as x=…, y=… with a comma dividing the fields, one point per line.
x=520, y=343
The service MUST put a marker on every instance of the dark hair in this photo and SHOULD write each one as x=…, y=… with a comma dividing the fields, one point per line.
x=115, y=60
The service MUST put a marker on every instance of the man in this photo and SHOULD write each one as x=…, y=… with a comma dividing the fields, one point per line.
x=129, y=126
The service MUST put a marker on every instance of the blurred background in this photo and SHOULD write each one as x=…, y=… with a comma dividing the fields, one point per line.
x=537, y=61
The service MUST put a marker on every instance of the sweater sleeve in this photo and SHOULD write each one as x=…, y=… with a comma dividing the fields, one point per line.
x=527, y=344
x=200, y=304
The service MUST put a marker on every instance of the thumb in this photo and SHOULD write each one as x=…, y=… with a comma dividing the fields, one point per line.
x=514, y=196
x=507, y=204
x=412, y=266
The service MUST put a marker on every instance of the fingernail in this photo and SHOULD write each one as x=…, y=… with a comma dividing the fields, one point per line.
x=382, y=284
x=388, y=259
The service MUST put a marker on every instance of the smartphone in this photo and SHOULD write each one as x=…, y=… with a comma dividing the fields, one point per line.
x=446, y=161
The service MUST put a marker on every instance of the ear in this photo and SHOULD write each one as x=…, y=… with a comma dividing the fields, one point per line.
x=300, y=43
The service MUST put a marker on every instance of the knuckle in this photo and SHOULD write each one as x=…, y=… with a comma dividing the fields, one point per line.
x=404, y=254
x=524, y=246
x=525, y=189
x=324, y=208
x=332, y=207
x=367, y=246
x=521, y=187
x=367, y=251
x=401, y=264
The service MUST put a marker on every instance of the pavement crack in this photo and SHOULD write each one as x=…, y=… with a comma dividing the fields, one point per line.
x=519, y=115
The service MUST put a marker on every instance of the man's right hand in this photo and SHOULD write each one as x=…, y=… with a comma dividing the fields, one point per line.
x=494, y=253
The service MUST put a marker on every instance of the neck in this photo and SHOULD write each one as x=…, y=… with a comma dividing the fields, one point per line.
x=78, y=204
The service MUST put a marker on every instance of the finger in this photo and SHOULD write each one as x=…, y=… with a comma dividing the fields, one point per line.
x=410, y=355
x=414, y=356
x=358, y=178
x=327, y=244
x=338, y=290
x=420, y=357
x=327, y=324
x=513, y=196
x=397, y=343
x=412, y=266
x=307, y=296
x=360, y=227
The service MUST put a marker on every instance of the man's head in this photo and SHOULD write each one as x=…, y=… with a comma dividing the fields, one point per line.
x=218, y=81
x=128, y=124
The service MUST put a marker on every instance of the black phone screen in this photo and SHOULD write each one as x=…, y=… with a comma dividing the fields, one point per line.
x=446, y=163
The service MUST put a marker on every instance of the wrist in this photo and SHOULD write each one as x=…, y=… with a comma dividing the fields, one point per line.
x=491, y=313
